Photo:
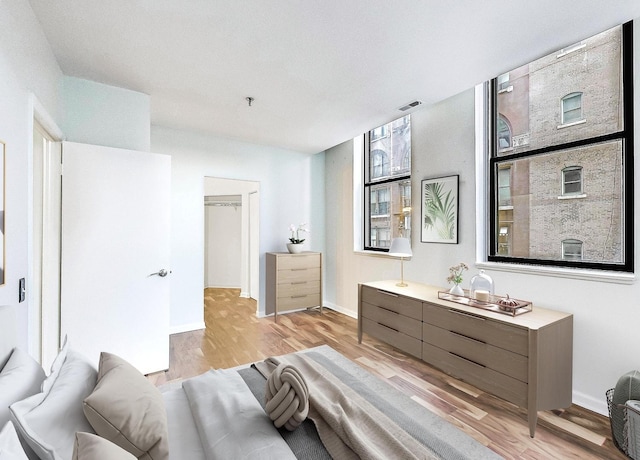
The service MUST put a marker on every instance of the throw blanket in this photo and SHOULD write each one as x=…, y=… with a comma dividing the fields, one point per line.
x=349, y=426
x=230, y=422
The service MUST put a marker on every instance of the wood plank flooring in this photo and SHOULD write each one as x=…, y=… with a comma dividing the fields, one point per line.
x=234, y=336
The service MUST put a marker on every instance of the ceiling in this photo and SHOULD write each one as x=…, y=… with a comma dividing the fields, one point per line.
x=320, y=72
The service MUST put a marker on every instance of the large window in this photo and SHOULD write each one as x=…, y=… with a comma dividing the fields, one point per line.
x=561, y=158
x=387, y=184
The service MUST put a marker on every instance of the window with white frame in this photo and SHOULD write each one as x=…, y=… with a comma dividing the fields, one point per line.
x=572, y=249
x=596, y=231
x=571, y=108
x=572, y=180
x=387, y=184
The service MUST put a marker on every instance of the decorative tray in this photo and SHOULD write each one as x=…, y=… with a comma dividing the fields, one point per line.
x=492, y=304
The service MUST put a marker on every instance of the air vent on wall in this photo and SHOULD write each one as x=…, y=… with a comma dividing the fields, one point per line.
x=410, y=105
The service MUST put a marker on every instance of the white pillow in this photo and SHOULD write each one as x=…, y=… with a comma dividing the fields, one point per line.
x=48, y=421
x=93, y=447
x=10, y=448
x=20, y=378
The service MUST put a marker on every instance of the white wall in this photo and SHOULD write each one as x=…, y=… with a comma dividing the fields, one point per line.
x=27, y=66
x=100, y=114
x=223, y=246
x=291, y=191
x=605, y=314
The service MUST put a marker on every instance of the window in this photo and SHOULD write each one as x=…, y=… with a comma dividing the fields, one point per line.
x=504, y=187
x=572, y=108
x=572, y=249
x=526, y=218
x=387, y=184
x=572, y=180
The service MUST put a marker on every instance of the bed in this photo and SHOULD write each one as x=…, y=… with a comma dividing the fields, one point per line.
x=108, y=410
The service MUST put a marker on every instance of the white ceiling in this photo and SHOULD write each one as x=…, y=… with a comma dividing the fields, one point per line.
x=321, y=71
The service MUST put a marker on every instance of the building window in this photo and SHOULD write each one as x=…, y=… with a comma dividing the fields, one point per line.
x=571, y=108
x=526, y=218
x=572, y=249
x=504, y=187
x=504, y=134
x=387, y=184
x=572, y=180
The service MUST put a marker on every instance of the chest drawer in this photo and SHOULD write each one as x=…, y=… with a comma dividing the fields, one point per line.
x=485, y=378
x=298, y=288
x=501, y=335
x=501, y=360
x=298, y=261
x=401, y=323
x=392, y=302
x=298, y=275
x=394, y=337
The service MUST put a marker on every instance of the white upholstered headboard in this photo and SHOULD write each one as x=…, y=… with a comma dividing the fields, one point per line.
x=7, y=333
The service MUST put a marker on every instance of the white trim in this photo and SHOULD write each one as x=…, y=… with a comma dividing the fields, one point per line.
x=598, y=405
x=561, y=272
x=570, y=49
x=339, y=309
x=358, y=230
x=481, y=172
x=573, y=123
x=569, y=197
x=186, y=328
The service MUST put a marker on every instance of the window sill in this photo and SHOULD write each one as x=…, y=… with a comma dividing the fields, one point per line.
x=570, y=197
x=573, y=123
x=381, y=254
x=559, y=272
x=508, y=89
x=570, y=50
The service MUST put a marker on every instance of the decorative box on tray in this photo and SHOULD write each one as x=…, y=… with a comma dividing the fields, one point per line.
x=500, y=304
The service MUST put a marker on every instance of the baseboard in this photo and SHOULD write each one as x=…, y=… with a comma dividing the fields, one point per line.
x=589, y=402
x=340, y=309
x=186, y=328
x=245, y=295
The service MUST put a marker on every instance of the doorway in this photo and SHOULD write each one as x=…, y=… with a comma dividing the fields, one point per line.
x=232, y=235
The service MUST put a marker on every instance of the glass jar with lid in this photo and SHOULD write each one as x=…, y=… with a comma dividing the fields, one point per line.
x=481, y=287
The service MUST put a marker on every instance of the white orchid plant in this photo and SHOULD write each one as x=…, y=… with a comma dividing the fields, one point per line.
x=295, y=233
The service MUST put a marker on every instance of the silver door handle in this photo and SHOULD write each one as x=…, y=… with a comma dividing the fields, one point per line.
x=162, y=273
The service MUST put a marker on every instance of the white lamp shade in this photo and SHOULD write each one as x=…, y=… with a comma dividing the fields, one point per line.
x=400, y=247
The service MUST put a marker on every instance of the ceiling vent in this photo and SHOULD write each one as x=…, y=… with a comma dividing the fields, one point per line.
x=410, y=105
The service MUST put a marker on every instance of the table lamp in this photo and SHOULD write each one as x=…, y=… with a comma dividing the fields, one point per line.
x=401, y=247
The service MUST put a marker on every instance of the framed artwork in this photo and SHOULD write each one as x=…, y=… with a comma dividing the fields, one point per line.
x=439, y=210
x=2, y=204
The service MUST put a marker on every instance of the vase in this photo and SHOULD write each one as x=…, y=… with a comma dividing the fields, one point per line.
x=295, y=248
x=456, y=290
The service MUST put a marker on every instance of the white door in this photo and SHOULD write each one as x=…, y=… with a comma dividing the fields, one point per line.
x=115, y=241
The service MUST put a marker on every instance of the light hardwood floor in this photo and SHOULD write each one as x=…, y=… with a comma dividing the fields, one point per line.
x=234, y=336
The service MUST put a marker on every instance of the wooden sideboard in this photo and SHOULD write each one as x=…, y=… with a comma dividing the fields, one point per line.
x=293, y=281
x=526, y=360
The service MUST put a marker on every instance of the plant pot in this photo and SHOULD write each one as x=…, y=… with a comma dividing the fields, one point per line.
x=456, y=290
x=295, y=248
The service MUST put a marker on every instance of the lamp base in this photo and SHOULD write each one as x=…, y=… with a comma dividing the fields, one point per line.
x=402, y=284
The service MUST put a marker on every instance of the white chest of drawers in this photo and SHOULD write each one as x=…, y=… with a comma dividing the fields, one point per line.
x=293, y=281
x=526, y=360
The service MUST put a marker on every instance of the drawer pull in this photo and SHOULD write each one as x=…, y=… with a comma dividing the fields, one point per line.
x=468, y=315
x=384, y=325
x=390, y=311
x=391, y=294
x=298, y=296
x=468, y=360
x=481, y=342
x=299, y=269
x=298, y=282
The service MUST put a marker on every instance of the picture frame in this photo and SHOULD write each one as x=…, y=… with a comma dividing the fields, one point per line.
x=3, y=148
x=439, y=201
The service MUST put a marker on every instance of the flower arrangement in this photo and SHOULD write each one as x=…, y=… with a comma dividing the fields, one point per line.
x=295, y=233
x=455, y=273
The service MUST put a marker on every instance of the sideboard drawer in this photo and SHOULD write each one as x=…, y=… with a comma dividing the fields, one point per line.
x=401, y=323
x=502, y=335
x=394, y=337
x=501, y=360
x=393, y=302
x=476, y=374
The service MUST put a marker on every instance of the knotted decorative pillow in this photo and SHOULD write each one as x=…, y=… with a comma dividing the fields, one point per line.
x=287, y=397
